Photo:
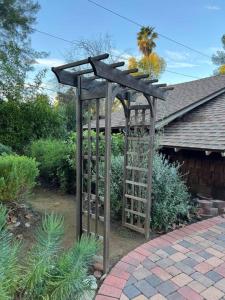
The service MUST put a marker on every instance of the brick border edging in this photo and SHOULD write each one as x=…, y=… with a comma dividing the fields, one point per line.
x=115, y=281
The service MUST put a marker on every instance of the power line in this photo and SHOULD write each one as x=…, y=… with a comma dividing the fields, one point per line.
x=140, y=25
x=55, y=36
x=167, y=70
x=173, y=72
x=29, y=85
x=124, y=58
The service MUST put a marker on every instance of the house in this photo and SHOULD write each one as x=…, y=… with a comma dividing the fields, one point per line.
x=192, y=123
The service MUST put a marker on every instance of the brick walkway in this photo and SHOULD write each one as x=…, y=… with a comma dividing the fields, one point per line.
x=188, y=263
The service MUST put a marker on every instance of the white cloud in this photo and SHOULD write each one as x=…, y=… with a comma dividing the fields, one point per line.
x=213, y=50
x=205, y=62
x=177, y=56
x=212, y=7
x=122, y=55
x=177, y=65
x=50, y=62
x=176, y=60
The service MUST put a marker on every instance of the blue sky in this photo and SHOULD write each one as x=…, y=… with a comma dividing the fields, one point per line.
x=196, y=23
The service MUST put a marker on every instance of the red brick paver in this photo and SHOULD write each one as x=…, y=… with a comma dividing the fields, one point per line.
x=188, y=263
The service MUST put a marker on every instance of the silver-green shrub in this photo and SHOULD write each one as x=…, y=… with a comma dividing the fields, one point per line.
x=170, y=194
x=170, y=197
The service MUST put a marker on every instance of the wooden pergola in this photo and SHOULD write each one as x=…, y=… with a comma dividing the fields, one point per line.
x=106, y=83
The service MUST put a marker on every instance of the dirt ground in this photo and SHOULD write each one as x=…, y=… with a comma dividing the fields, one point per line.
x=122, y=240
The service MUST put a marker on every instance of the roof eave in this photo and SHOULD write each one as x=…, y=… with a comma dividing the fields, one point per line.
x=192, y=148
x=163, y=122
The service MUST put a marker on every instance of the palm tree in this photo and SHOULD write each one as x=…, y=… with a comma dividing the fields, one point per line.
x=145, y=39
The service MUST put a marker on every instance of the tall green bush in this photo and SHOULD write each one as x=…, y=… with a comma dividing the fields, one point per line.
x=170, y=194
x=116, y=192
x=117, y=142
x=5, y=149
x=23, y=122
x=56, y=160
x=48, y=272
x=17, y=176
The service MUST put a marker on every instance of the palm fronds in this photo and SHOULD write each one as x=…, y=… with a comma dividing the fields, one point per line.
x=145, y=39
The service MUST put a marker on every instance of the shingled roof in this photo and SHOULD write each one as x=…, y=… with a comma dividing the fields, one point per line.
x=201, y=129
x=183, y=98
x=193, y=115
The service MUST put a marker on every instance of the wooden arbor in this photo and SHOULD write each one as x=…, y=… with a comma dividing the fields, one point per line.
x=93, y=166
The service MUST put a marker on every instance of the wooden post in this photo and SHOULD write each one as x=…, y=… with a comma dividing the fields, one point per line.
x=89, y=165
x=150, y=161
x=79, y=160
x=97, y=168
x=127, y=116
x=108, y=108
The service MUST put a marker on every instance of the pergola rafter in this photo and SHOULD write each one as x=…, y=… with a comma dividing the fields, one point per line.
x=107, y=82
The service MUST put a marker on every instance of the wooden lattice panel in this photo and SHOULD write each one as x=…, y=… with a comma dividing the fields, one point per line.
x=93, y=167
x=136, y=170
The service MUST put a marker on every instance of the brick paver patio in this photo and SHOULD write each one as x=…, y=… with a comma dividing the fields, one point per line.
x=188, y=263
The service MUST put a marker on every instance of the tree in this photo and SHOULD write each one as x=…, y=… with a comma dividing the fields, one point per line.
x=146, y=40
x=150, y=62
x=84, y=48
x=92, y=47
x=65, y=101
x=219, y=58
x=16, y=54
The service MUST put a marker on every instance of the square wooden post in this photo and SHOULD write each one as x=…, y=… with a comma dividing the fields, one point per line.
x=79, y=159
x=108, y=108
x=150, y=162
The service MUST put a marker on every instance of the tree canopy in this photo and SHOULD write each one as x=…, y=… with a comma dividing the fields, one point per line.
x=16, y=54
x=219, y=58
x=146, y=40
x=150, y=62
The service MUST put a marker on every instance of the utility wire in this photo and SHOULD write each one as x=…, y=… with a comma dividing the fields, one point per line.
x=140, y=25
x=129, y=20
x=166, y=70
x=173, y=72
x=29, y=85
x=55, y=36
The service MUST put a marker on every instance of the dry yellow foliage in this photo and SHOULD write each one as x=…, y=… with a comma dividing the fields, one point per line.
x=222, y=70
x=151, y=64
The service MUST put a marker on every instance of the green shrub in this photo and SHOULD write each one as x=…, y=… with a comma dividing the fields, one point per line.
x=56, y=160
x=23, y=122
x=117, y=142
x=170, y=194
x=9, y=267
x=17, y=176
x=48, y=272
x=5, y=149
x=116, y=192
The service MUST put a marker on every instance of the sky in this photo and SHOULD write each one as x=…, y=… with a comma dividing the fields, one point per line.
x=198, y=24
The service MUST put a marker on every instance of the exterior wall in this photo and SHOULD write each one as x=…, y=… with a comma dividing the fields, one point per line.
x=203, y=174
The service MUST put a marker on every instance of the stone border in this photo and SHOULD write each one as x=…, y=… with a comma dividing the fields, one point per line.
x=115, y=281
